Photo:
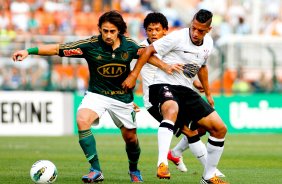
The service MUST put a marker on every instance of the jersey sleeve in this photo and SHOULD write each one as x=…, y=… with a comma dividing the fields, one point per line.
x=166, y=43
x=73, y=49
x=210, y=48
x=137, y=47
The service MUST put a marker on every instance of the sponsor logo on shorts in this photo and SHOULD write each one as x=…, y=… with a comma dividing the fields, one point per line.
x=168, y=94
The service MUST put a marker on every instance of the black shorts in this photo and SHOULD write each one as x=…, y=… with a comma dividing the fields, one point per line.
x=192, y=107
x=155, y=112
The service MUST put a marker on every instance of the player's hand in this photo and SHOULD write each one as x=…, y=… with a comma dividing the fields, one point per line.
x=136, y=107
x=198, y=85
x=20, y=55
x=129, y=82
x=140, y=51
x=173, y=68
x=210, y=100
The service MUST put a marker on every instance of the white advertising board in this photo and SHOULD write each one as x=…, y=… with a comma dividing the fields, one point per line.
x=35, y=113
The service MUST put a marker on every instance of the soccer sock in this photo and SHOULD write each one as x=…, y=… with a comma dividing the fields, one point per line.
x=215, y=148
x=198, y=149
x=165, y=133
x=133, y=152
x=88, y=145
x=181, y=146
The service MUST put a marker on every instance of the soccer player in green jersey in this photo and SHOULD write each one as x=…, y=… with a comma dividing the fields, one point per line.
x=108, y=56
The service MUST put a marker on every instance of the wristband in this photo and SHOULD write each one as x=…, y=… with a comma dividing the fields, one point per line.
x=33, y=50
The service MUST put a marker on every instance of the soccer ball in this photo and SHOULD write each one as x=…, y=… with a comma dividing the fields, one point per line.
x=43, y=171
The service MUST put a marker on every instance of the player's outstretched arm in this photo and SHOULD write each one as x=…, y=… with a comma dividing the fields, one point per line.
x=130, y=81
x=44, y=50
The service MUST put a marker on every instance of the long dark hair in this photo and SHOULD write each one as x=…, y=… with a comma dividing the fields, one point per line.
x=114, y=18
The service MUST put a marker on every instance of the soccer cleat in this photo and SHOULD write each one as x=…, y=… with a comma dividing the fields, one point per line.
x=219, y=174
x=213, y=180
x=135, y=176
x=163, y=171
x=94, y=176
x=178, y=161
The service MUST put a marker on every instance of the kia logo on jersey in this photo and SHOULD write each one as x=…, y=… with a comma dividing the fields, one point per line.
x=73, y=52
x=112, y=70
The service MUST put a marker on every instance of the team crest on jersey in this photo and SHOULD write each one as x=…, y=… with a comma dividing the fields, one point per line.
x=112, y=70
x=124, y=55
x=72, y=52
x=206, y=51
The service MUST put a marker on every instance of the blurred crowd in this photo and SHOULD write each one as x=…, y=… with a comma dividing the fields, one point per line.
x=26, y=18
x=73, y=17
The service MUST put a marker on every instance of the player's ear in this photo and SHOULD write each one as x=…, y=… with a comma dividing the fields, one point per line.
x=165, y=32
x=209, y=29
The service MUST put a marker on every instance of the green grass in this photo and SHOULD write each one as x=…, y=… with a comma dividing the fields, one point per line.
x=247, y=159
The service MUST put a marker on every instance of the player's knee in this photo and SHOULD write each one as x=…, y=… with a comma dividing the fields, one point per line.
x=130, y=139
x=129, y=136
x=169, y=108
x=220, y=131
x=82, y=122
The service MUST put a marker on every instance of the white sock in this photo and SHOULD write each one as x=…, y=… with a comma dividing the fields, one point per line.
x=164, y=140
x=181, y=146
x=199, y=150
x=213, y=157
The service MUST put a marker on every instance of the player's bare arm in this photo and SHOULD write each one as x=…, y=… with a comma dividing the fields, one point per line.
x=198, y=85
x=203, y=77
x=130, y=81
x=169, y=69
x=44, y=50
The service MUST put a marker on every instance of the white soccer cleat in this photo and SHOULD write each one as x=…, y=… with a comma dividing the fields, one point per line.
x=181, y=166
x=219, y=174
x=178, y=161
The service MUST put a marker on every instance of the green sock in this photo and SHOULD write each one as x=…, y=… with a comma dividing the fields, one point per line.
x=133, y=153
x=88, y=144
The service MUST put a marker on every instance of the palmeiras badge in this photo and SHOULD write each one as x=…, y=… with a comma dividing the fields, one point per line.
x=124, y=55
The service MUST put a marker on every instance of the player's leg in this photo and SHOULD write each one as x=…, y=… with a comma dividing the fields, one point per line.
x=217, y=129
x=85, y=117
x=123, y=116
x=162, y=96
x=175, y=154
x=169, y=110
x=196, y=146
x=87, y=113
x=133, y=153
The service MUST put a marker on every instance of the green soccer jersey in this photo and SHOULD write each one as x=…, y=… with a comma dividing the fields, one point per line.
x=108, y=68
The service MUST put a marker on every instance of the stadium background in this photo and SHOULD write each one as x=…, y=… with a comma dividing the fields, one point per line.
x=245, y=66
x=39, y=97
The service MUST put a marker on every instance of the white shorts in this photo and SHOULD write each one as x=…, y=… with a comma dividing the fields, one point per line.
x=123, y=114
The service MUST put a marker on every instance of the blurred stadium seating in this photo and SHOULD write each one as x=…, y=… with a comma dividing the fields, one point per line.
x=246, y=37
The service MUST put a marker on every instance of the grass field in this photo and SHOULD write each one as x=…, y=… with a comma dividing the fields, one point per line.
x=247, y=159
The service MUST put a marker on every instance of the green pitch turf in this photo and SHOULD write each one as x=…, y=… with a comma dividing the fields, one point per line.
x=247, y=159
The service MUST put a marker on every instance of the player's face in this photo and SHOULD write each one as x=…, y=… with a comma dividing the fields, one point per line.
x=155, y=31
x=198, y=31
x=109, y=33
